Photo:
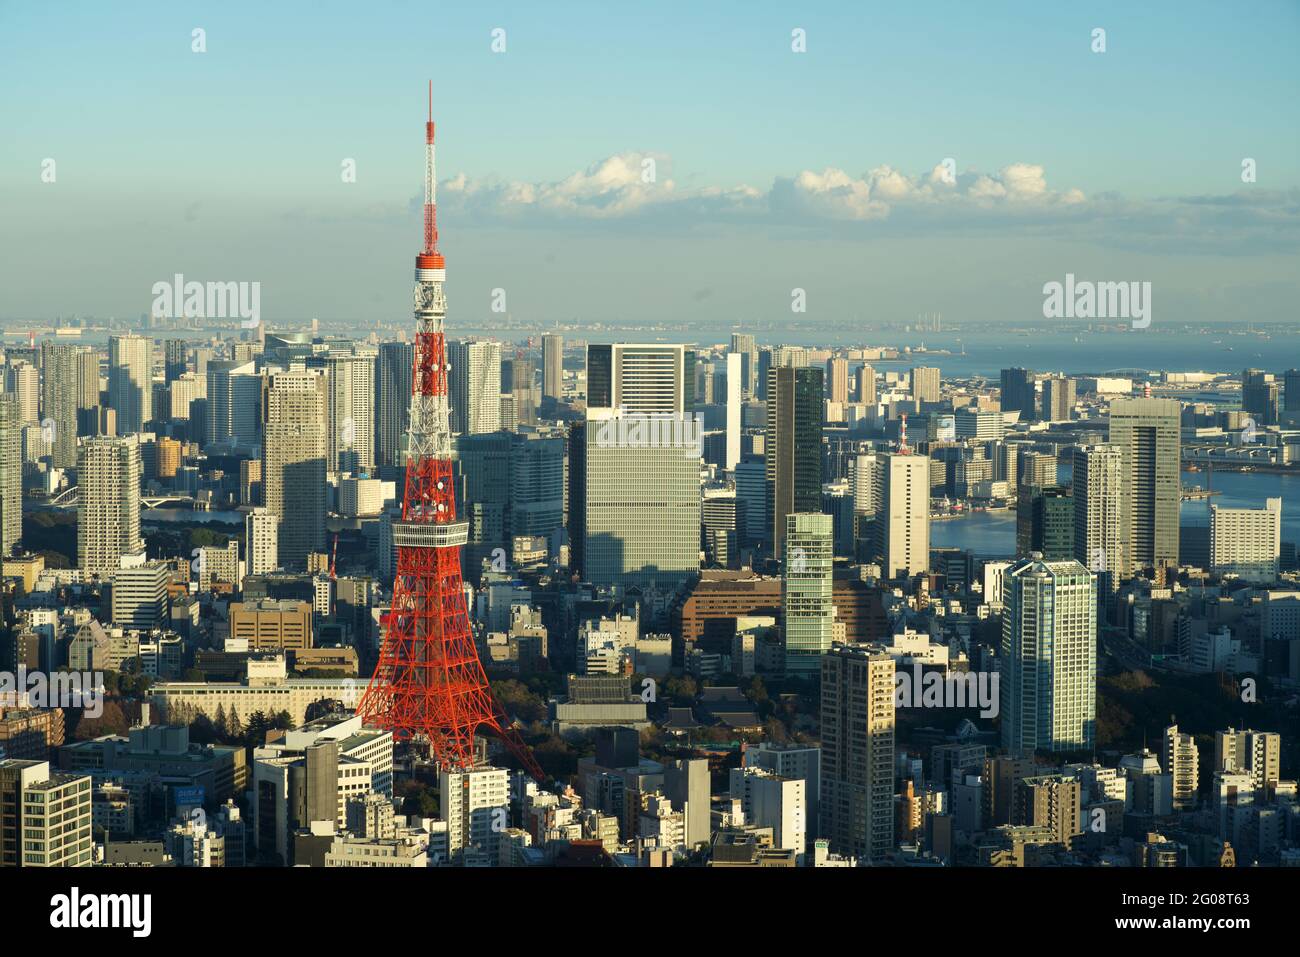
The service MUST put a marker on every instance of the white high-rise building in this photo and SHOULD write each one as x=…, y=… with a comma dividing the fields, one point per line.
x=807, y=590
x=261, y=542
x=294, y=462
x=130, y=381
x=637, y=377
x=1182, y=763
x=474, y=381
x=140, y=596
x=1247, y=542
x=476, y=806
x=1048, y=659
x=901, y=532
x=734, y=400
x=351, y=428
x=11, y=473
x=23, y=380
x=770, y=800
x=1100, y=533
x=108, y=513
x=234, y=394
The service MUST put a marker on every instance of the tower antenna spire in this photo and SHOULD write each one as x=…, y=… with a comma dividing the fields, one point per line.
x=429, y=683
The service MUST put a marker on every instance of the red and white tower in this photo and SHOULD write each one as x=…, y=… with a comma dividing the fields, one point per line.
x=429, y=680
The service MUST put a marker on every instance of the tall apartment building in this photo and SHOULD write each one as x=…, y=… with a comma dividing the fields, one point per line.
x=476, y=806
x=294, y=462
x=925, y=384
x=474, y=384
x=866, y=385
x=1181, y=761
x=175, y=357
x=1037, y=468
x=807, y=604
x=732, y=402
x=793, y=452
x=11, y=473
x=130, y=381
x=261, y=542
x=1291, y=390
x=552, y=366
x=634, y=499
x=350, y=428
x=108, y=511
x=1147, y=431
x=23, y=381
x=837, y=379
x=393, y=410
x=89, y=404
x=1048, y=659
x=1100, y=518
x=1057, y=401
x=857, y=759
x=1247, y=542
x=900, y=534
x=59, y=384
x=636, y=377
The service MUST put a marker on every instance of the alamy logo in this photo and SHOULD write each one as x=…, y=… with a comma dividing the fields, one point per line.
x=1098, y=300
x=59, y=689
x=212, y=300
x=954, y=689
x=76, y=910
x=657, y=430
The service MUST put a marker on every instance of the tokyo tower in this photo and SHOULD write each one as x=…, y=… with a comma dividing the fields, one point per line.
x=429, y=680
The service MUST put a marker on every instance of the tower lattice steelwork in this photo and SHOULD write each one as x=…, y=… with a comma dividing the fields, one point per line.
x=429, y=680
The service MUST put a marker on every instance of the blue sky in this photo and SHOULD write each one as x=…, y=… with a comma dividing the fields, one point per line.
x=773, y=169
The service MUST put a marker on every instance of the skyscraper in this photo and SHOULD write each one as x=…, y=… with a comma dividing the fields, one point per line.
x=867, y=385
x=294, y=462
x=1100, y=530
x=393, y=388
x=1057, y=401
x=806, y=588
x=900, y=534
x=1291, y=390
x=635, y=499
x=1018, y=393
x=925, y=384
x=1045, y=522
x=234, y=393
x=108, y=511
x=350, y=432
x=130, y=381
x=261, y=542
x=23, y=381
x=11, y=473
x=857, y=759
x=174, y=359
x=1260, y=396
x=635, y=377
x=745, y=346
x=59, y=371
x=733, y=399
x=552, y=366
x=1148, y=433
x=89, y=400
x=793, y=447
x=837, y=379
x=475, y=383
x=1048, y=660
